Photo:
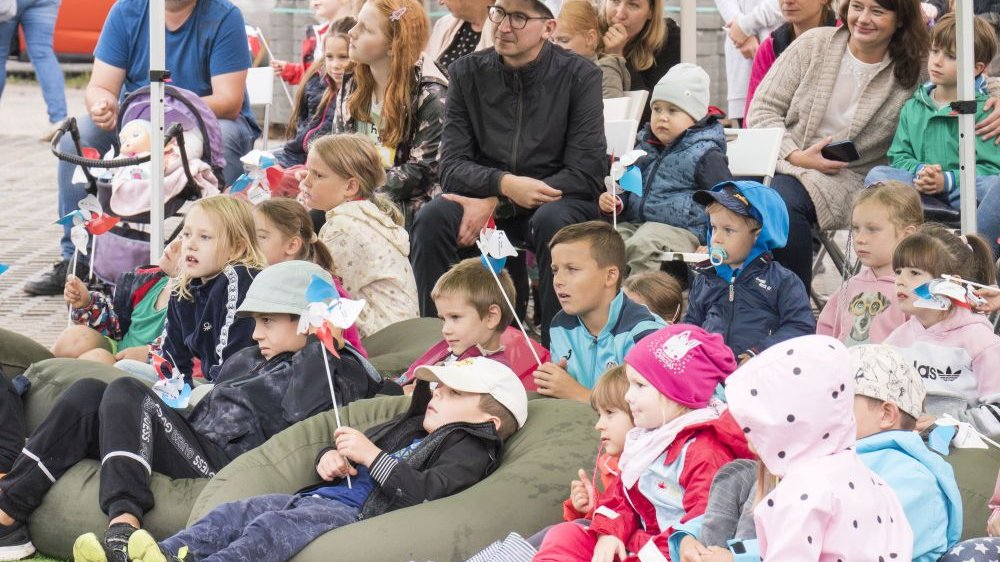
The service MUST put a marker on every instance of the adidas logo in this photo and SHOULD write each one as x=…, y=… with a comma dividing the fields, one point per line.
x=933, y=373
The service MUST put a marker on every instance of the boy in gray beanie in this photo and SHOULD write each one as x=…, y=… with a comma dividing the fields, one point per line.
x=685, y=151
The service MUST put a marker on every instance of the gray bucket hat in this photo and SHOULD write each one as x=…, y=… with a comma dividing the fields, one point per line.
x=281, y=288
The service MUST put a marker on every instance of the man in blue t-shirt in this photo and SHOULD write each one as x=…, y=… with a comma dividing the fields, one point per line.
x=206, y=52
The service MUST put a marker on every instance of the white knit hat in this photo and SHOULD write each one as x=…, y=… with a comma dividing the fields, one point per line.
x=686, y=86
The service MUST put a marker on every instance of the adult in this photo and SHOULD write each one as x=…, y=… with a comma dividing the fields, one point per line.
x=839, y=83
x=206, y=52
x=651, y=44
x=761, y=17
x=38, y=20
x=800, y=16
x=396, y=98
x=463, y=30
x=513, y=148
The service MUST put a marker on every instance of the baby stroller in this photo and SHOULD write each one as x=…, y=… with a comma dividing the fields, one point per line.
x=127, y=244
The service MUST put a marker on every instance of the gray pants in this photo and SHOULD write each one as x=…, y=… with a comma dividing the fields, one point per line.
x=645, y=242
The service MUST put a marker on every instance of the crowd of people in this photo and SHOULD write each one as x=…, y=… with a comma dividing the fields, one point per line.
x=735, y=424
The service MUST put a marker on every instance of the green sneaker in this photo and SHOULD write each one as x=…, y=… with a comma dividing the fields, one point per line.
x=142, y=547
x=89, y=548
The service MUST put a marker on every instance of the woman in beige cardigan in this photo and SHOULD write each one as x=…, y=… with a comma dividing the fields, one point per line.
x=835, y=84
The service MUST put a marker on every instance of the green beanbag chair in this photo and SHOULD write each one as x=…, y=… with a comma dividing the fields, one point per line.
x=976, y=473
x=18, y=352
x=394, y=348
x=525, y=494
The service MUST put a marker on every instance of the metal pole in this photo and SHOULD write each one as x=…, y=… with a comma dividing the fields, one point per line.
x=689, y=31
x=966, y=121
x=157, y=74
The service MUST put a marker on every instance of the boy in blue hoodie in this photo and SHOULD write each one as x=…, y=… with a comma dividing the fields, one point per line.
x=742, y=293
x=888, y=399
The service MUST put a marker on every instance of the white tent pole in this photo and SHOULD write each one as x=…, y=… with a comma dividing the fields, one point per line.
x=966, y=121
x=689, y=31
x=157, y=73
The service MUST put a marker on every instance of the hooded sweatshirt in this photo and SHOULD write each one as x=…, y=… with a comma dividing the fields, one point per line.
x=958, y=358
x=864, y=310
x=370, y=256
x=762, y=303
x=795, y=403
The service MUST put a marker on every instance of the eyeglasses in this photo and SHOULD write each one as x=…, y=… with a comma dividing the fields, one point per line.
x=517, y=20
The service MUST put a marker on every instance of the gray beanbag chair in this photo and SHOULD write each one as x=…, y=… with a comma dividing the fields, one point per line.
x=18, y=352
x=392, y=349
x=976, y=474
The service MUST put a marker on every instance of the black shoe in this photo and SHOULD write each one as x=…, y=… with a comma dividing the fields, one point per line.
x=15, y=543
x=52, y=282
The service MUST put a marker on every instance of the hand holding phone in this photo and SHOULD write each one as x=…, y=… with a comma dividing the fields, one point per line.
x=842, y=151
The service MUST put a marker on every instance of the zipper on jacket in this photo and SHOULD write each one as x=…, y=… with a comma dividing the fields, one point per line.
x=732, y=307
x=517, y=123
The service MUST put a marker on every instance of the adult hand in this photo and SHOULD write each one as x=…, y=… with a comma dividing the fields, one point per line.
x=749, y=48
x=691, y=550
x=104, y=114
x=136, y=353
x=992, y=298
x=353, y=445
x=333, y=465
x=475, y=213
x=993, y=524
x=581, y=493
x=609, y=203
x=925, y=421
x=553, y=380
x=929, y=180
x=75, y=292
x=615, y=39
x=989, y=127
x=170, y=261
x=528, y=192
x=813, y=159
x=736, y=33
x=608, y=548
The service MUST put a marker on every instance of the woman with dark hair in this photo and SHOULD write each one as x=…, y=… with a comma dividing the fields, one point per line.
x=836, y=84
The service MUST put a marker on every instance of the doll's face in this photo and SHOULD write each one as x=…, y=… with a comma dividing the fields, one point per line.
x=134, y=137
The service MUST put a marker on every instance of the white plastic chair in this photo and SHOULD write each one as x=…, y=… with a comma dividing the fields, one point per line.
x=621, y=120
x=260, y=91
x=636, y=103
x=754, y=152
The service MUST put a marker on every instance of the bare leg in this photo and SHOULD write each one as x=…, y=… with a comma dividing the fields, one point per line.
x=99, y=356
x=77, y=340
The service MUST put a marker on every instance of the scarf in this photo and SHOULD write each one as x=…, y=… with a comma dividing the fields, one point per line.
x=643, y=446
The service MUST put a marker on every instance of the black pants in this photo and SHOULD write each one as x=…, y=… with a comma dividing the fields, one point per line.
x=12, y=425
x=797, y=253
x=123, y=424
x=435, y=245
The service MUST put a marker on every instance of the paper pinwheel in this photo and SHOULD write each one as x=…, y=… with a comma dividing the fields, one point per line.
x=261, y=174
x=625, y=176
x=172, y=390
x=3, y=268
x=942, y=294
x=87, y=219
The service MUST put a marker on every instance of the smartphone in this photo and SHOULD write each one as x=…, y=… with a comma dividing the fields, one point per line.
x=843, y=151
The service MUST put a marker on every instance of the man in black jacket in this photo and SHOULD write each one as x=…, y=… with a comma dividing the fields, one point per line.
x=523, y=140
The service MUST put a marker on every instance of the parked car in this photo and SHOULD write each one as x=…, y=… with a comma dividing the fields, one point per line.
x=77, y=29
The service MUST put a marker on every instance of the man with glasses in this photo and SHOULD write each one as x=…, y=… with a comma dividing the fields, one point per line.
x=523, y=141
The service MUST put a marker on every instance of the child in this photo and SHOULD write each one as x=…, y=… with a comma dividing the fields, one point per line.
x=259, y=392
x=312, y=114
x=669, y=459
x=450, y=439
x=474, y=313
x=285, y=232
x=598, y=324
x=685, y=151
x=363, y=230
x=924, y=152
x=955, y=351
x=888, y=399
x=795, y=405
x=325, y=11
x=578, y=30
x=122, y=327
x=658, y=291
x=863, y=310
x=747, y=296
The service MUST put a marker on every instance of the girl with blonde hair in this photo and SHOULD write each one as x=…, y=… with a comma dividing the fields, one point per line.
x=579, y=30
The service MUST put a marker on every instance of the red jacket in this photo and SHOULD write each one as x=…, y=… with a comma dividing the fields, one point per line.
x=713, y=444
x=607, y=469
x=292, y=73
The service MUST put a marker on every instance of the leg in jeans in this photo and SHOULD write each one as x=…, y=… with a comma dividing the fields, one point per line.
x=71, y=193
x=797, y=253
x=237, y=138
x=888, y=173
x=434, y=247
x=223, y=525
x=140, y=434
x=68, y=435
x=39, y=20
x=988, y=213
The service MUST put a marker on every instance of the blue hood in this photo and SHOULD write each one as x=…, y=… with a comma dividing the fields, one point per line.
x=774, y=228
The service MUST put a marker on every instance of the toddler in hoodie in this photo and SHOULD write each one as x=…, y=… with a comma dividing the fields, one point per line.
x=670, y=457
x=795, y=403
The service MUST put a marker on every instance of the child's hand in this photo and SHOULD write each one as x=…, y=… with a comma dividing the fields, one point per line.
x=353, y=445
x=608, y=203
x=278, y=66
x=581, y=493
x=608, y=548
x=992, y=298
x=138, y=353
x=993, y=524
x=171, y=258
x=691, y=550
x=929, y=180
x=717, y=554
x=553, y=380
x=75, y=292
x=743, y=358
x=333, y=465
x=925, y=421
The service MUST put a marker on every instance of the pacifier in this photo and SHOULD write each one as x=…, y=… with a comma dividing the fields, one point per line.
x=717, y=255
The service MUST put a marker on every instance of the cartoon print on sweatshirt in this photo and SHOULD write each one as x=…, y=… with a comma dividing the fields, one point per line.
x=865, y=308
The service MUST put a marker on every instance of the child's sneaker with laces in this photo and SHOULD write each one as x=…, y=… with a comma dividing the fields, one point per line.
x=114, y=547
x=142, y=547
x=15, y=543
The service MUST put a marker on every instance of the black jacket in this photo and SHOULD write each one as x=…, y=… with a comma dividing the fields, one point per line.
x=667, y=56
x=544, y=120
x=447, y=461
x=255, y=398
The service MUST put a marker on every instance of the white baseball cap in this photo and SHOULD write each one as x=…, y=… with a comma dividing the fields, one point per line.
x=480, y=375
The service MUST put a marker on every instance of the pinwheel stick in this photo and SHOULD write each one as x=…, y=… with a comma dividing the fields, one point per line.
x=72, y=271
x=93, y=250
x=333, y=395
x=511, y=306
x=957, y=279
x=270, y=55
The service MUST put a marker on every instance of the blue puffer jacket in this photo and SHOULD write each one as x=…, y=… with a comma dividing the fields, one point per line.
x=761, y=304
x=313, y=122
x=671, y=174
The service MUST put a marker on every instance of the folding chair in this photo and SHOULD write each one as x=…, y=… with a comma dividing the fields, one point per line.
x=260, y=91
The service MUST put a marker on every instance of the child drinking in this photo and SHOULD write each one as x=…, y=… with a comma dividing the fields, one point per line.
x=578, y=30
x=363, y=231
x=864, y=309
x=955, y=350
x=678, y=443
x=795, y=403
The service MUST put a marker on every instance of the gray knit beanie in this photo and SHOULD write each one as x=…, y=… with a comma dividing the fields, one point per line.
x=686, y=86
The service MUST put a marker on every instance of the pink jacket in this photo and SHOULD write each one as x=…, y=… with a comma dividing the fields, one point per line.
x=864, y=310
x=795, y=402
x=762, y=62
